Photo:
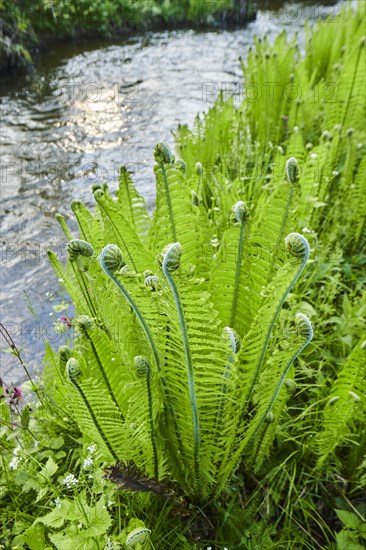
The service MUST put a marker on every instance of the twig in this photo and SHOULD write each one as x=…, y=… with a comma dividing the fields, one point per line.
x=9, y=340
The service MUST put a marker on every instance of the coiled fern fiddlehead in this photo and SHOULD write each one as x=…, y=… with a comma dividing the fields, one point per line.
x=163, y=155
x=171, y=262
x=305, y=329
x=241, y=216
x=298, y=247
x=76, y=248
x=111, y=260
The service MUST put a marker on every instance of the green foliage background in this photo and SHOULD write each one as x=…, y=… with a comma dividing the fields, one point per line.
x=301, y=484
x=27, y=24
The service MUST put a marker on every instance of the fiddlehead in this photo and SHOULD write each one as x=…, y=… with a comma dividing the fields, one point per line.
x=181, y=165
x=76, y=248
x=162, y=153
x=111, y=256
x=113, y=259
x=171, y=262
x=292, y=170
x=241, y=215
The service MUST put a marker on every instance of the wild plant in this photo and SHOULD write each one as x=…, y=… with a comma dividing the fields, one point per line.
x=174, y=371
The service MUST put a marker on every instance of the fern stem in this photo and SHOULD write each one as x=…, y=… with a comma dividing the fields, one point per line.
x=136, y=311
x=274, y=318
x=152, y=427
x=224, y=391
x=144, y=369
x=277, y=390
x=174, y=233
x=237, y=276
x=283, y=226
x=84, y=289
x=187, y=351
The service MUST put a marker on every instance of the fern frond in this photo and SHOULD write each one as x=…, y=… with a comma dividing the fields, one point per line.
x=132, y=205
x=344, y=406
x=119, y=231
x=97, y=415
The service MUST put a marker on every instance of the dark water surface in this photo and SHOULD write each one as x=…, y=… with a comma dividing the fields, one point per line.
x=86, y=109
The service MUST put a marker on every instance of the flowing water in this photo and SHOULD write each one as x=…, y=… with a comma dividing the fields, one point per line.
x=85, y=109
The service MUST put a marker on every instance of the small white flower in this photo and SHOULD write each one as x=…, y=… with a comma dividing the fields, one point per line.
x=90, y=476
x=57, y=502
x=313, y=156
x=92, y=449
x=109, y=503
x=16, y=451
x=88, y=462
x=70, y=480
x=80, y=525
x=15, y=463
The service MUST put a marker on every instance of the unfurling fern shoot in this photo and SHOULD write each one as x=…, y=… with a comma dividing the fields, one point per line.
x=305, y=330
x=163, y=155
x=292, y=170
x=76, y=248
x=298, y=247
x=110, y=259
x=171, y=262
x=241, y=216
x=144, y=370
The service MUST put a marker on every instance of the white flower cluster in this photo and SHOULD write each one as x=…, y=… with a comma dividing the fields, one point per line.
x=57, y=502
x=88, y=462
x=70, y=480
x=16, y=459
x=92, y=449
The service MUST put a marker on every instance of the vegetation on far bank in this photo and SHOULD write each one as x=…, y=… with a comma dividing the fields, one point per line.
x=214, y=369
x=25, y=25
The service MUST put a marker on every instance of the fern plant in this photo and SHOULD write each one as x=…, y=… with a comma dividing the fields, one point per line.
x=322, y=126
x=174, y=371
